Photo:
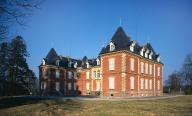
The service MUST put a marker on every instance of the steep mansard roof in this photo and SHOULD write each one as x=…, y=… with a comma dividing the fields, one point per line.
x=123, y=42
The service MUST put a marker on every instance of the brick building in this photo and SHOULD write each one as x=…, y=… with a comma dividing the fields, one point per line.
x=123, y=68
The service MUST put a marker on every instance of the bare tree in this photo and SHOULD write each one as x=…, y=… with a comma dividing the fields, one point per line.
x=15, y=12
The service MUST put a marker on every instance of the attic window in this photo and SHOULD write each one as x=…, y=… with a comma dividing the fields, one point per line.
x=43, y=62
x=98, y=62
x=132, y=46
x=87, y=64
x=112, y=46
x=141, y=52
x=69, y=64
x=146, y=53
x=75, y=65
x=57, y=62
x=150, y=55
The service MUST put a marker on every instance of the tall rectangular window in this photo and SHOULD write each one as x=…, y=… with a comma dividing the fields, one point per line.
x=158, y=85
x=57, y=73
x=87, y=86
x=142, y=67
x=111, y=64
x=150, y=69
x=69, y=75
x=98, y=73
x=150, y=84
x=87, y=75
x=57, y=86
x=132, y=83
x=146, y=68
x=146, y=83
x=132, y=64
x=75, y=75
x=158, y=72
x=142, y=83
x=74, y=86
x=111, y=83
x=69, y=86
x=98, y=86
x=95, y=74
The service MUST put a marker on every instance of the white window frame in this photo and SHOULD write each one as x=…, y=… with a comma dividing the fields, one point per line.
x=57, y=86
x=98, y=61
x=57, y=73
x=132, y=63
x=111, y=83
x=111, y=46
x=132, y=82
x=111, y=64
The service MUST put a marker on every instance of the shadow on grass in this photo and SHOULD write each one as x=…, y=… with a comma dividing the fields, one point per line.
x=18, y=101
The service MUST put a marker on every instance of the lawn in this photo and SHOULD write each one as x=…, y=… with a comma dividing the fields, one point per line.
x=170, y=106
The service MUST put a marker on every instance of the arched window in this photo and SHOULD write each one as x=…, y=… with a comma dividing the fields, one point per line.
x=98, y=61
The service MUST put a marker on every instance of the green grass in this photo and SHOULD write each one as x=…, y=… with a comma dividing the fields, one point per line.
x=173, y=106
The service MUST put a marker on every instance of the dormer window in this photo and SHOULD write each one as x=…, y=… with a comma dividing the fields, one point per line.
x=87, y=64
x=141, y=52
x=132, y=47
x=57, y=62
x=75, y=65
x=98, y=61
x=146, y=54
x=69, y=64
x=112, y=46
x=43, y=62
x=158, y=59
x=150, y=55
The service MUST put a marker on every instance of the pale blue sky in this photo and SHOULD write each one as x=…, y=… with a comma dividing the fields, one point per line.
x=81, y=27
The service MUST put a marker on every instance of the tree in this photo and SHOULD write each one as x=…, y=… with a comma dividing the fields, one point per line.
x=15, y=12
x=187, y=73
x=15, y=74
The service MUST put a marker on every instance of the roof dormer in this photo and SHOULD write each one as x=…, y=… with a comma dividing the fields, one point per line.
x=158, y=58
x=150, y=55
x=141, y=52
x=75, y=65
x=111, y=46
x=43, y=62
x=98, y=61
x=146, y=53
x=132, y=46
x=57, y=62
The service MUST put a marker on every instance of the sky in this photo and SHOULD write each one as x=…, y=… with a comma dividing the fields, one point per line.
x=77, y=28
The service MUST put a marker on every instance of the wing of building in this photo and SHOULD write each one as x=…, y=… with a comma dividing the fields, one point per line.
x=122, y=68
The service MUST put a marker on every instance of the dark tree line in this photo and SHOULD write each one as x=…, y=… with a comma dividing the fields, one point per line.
x=15, y=76
x=181, y=80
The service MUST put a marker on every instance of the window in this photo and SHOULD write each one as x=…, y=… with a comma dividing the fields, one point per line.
x=132, y=46
x=74, y=86
x=98, y=73
x=146, y=54
x=98, y=62
x=87, y=86
x=42, y=85
x=57, y=62
x=69, y=75
x=75, y=65
x=95, y=74
x=87, y=64
x=158, y=85
x=45, y=85
x=97, y=86
x=142, y=83
x=158, y=59
x=112, y=46
x=69, y=64
x=132, y=82
x=142, y=67
x=87, y=75
x=132, y=64
x=111, y=83
x=111, y=64
x=146, y=68
x=158, y=72
x=150, y=84
x=146, y=83
x=69, y=86
x=57, y=73
x=141, y=52
x=57, y=86
x=150, y=69
x=75, y=75
x=150, y=55
x=43, y=62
